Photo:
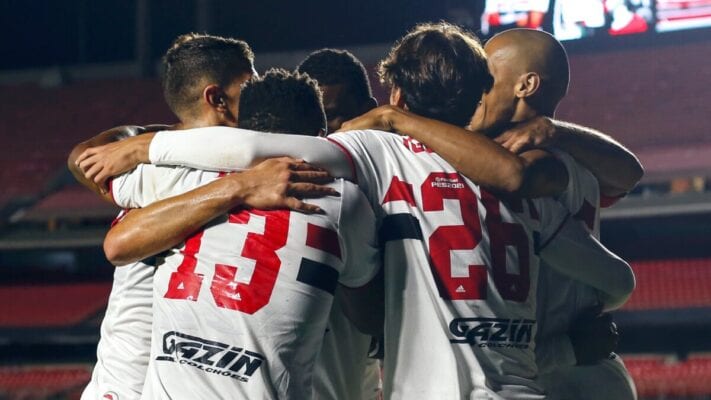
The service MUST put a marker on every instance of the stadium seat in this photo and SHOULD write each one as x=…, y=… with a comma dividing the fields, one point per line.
x=658, y=376
x=669, y=284
x=37, y=306
x=42, y=382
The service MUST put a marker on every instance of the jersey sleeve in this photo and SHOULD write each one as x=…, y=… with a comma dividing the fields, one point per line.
x=230, y=149
x=594, y=264
x=364, y=150
x=582, y=184
x=357, y=227
x=147, y=184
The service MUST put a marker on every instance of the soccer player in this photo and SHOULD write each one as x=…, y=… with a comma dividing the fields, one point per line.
x=451, y=332
x=343, y=82
x=255, y=330
x=343, y=371
x=200, y=93
x=530, y=71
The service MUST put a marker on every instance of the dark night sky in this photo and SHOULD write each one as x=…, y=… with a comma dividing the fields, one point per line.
x=59, y=32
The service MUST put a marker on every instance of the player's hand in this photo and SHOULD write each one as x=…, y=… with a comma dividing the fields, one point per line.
x=279, y=183
x=379, y=118
x=594, y=337
x=100, y=163
x=535, y=133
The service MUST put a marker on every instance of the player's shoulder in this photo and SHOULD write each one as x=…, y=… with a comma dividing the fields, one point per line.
x=365, y=137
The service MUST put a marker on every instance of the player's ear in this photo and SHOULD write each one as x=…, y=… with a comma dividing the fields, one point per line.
x=396, y=97
x=527, y=85
x=216, y=98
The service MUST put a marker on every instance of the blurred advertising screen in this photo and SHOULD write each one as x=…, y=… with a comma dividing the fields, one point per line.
x=577, y=19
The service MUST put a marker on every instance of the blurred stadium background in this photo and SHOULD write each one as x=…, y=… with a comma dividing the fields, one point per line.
x=641, y=70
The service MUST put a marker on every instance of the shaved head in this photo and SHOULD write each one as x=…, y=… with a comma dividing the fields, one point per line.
x=531, y=75
x=529, y=50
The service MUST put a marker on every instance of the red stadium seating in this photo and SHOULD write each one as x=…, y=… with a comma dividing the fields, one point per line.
x=42, y=382
x=39, y=306
x=658, y=376
x=40, y=126
x=671, y=284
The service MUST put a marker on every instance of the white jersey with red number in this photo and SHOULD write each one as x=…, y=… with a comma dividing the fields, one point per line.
x=241, y=309
x=561, y=299
x=123, y=351
x=461, y=270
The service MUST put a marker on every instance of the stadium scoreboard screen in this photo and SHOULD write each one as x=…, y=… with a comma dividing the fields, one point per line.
x=578, y=19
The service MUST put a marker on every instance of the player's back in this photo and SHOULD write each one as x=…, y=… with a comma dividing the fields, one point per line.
x=460, y=274
x=241, y=310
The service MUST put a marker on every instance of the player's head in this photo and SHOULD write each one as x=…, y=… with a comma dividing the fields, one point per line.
x=437, y=71
x=343, y=82
x=284, y=102
x=202, y=76
x=531, y=74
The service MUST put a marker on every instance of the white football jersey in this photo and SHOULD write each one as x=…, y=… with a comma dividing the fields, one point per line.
x=561, y=299
x=240, y=311
x=343, y=370
x=123, y=351
x=461, y=269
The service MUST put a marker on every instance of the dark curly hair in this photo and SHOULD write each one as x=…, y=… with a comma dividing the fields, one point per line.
x=282, y=102
x=441, y=70
x=194, y=60
x=338, y=67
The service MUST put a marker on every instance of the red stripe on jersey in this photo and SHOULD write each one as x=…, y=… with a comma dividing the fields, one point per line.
x=586, y=214
x=609, y=201
x=399, y=191
x=119, y=217
x=324, y=239
x=349, y=156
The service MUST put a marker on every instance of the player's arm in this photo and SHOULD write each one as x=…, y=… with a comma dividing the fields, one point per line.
x=577, y=254
x=616, y=168
x=105, y=137
x=211, y=148
x=274, y=183
x=474, y=155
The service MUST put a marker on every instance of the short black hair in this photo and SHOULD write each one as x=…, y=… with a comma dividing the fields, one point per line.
x=195, y=58
x=282, y=102
x=338, y=67
x=441, y=70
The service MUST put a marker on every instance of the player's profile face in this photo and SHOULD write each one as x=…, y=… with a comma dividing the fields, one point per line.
x=496, y=107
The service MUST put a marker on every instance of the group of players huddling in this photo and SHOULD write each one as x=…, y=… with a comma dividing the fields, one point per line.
x=455, y=229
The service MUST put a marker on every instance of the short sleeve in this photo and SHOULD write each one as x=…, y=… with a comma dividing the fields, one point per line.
x=357, y=227
x=148, y=183
x=582, y=184
x=364, y=150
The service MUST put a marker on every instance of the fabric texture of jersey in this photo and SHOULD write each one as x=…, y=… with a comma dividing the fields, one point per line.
x=123, y=351
x=242, y=306
x=463, y=325
x=343, y=370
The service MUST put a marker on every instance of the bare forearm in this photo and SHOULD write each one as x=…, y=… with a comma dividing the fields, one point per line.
x=616, y=168
x=471, y=153
x=105, y=137
x=162, y=225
